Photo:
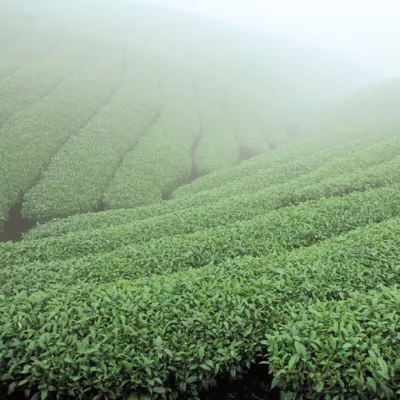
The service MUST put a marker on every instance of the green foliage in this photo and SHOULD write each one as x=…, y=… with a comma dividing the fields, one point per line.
x=164, y=256
x=162, y=159
x=176, y=332
x=80, y=172
x=340, y=176
x=291, y=257
x=276, y=232
x=345, y=349
x=52, y=56
x=305, y=171
x=33, y=136
x=290, y=163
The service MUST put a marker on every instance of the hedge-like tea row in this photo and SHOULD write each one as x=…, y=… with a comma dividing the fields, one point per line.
x=32, y=137
x=310, y=169
x=291, y=192
x=218, y=147
x=247, y=168
x=277, y=231
x=175, y=333
x=279, y=158
x=85, y=242
x=162, y=159
x=122, y=217
x=274, y=233
x=345, y=349
x=80, y=172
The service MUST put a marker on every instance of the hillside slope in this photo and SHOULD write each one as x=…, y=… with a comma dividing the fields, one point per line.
x=99, y=98
x=374, y=108
x=291, y=259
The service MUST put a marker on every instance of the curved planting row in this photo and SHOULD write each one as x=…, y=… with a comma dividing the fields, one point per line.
x=278, y=159
x=346, y=349
x=175, y=334
x=304, y=171
x=32, y=137
x=162, y=159
x=286, y=228
x=218, y=147
x=270, y=234
x=80, y=172
x=324, y=181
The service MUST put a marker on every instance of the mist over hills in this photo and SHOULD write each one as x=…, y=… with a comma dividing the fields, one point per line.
x=167, y=65
x=182, y=200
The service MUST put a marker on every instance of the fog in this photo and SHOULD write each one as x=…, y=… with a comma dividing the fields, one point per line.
x=195, y=194
x=367, y=32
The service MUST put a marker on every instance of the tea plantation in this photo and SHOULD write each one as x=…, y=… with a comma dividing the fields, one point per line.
x=181, y=235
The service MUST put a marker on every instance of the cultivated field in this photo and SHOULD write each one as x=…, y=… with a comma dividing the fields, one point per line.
x=182, y=233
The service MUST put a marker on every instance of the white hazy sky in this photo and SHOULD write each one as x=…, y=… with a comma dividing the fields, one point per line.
x=365, y=31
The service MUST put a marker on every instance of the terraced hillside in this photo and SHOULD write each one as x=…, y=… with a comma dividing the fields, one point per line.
x=290, y=259
x=97, y=99
x=192, y=217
